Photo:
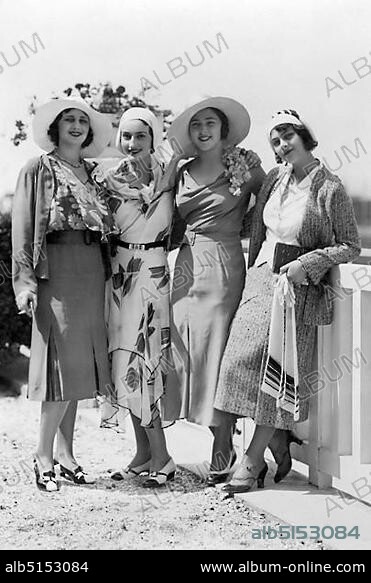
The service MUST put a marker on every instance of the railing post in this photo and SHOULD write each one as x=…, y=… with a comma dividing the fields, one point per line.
x=315, y=476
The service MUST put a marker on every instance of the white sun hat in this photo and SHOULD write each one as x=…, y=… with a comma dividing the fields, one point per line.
x=46, y=114
x=238, y=121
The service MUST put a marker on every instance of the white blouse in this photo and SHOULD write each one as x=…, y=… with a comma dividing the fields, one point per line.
x=283, y=214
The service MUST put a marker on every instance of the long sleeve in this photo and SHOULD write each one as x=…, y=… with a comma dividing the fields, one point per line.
x=346, y=245
x=255, y=226
x=23, y=216
x=253, y=186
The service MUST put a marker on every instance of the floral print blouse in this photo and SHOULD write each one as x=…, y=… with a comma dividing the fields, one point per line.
x=77, y=206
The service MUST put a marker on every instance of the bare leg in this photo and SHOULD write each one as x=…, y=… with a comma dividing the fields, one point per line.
x=252, y=469
x=223, y=442
x=143, y=453
x=159, y=453
x=51, y=416
x=255, y=452
x=65, y=437
x=280, y=448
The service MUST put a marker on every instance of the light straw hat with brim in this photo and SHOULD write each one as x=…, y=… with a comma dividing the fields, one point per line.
x=46, y=114
x=238, y=120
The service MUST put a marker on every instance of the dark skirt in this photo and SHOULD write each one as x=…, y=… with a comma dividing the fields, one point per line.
x=69, y=357
x=244, y=359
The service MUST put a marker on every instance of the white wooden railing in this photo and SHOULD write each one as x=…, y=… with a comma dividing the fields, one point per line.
x=338, y=450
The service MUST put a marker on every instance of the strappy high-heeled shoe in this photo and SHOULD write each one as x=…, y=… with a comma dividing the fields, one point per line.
x=220, y=476
x=45, y=481
x=247, y=481
x=160, y=478
x=78, y=476
x=279, y=445
x=142, y=470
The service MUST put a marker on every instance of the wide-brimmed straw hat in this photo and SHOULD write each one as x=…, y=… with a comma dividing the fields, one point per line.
x=237, y=114
x=46, y=114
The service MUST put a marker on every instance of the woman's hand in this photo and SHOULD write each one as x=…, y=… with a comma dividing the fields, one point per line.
x=251, y=158
x=26, y=302
x=295, y=272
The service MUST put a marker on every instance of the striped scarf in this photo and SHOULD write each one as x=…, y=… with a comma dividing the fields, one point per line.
x=281, y=377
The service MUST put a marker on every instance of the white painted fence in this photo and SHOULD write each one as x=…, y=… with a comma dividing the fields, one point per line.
x=338, y=432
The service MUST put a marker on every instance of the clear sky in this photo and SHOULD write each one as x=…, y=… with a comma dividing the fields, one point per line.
x=273, y=54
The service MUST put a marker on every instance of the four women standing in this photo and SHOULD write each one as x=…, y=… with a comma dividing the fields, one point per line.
x=301, y=204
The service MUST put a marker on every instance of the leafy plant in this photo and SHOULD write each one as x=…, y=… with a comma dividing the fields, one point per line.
x=102, y=97
x=14, y=328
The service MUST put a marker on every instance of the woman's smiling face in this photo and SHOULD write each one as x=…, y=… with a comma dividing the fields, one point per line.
x=73, y=127
x=205, y=130
x=287, y=144
x=135, y=138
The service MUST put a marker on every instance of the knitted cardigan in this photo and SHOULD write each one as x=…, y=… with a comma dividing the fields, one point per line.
x=329, y=230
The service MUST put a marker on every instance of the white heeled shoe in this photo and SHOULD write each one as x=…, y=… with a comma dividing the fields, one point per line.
x=130, y=472
x=246, y=477
x=78, y=476
x=46, y=481
x=160, y=478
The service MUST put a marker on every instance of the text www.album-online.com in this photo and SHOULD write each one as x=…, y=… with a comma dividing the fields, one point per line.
x=306, y=567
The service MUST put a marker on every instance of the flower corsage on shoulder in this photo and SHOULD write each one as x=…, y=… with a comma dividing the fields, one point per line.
x=239, y=162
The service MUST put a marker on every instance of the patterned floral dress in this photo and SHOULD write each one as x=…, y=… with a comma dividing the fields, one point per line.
x=138, y=310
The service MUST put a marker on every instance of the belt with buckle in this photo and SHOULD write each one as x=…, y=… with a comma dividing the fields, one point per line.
x=140, y=246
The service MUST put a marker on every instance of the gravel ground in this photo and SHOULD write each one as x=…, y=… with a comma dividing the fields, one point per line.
x=109, y=515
